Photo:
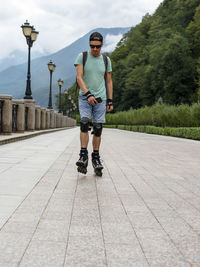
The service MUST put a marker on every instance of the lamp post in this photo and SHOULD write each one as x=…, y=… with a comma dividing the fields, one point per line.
x=31, y=35
x=60, y=83
x=51, y=67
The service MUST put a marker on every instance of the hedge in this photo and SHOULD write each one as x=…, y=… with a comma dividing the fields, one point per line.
x=183, y=132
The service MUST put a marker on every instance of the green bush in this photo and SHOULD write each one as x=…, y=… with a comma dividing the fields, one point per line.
x=189, y=133
x=158, y=115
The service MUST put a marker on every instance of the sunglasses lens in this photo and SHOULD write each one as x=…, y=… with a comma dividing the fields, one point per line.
x=97, y=46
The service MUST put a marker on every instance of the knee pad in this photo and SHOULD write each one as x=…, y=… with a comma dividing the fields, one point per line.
x=97, y=129
x=84, y=124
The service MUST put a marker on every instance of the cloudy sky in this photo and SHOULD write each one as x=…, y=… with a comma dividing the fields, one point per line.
x=60, y=22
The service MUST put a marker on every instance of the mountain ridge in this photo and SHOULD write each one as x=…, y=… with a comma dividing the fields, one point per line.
x=13, y=79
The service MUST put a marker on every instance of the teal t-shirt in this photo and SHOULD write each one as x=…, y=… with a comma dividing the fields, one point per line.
x=93, y=75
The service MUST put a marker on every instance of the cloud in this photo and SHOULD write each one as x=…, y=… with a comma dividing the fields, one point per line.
x=61, y=22
x=111, y=42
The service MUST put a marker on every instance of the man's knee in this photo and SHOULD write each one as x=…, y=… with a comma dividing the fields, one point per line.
x=84, y=124
x=97, y=129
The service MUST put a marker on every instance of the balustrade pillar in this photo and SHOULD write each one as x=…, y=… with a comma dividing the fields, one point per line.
x=37, y=117
x=6, y=114
x=43, y=118
x=30, y=105
x=20, y=115
x=52, y=119
x=47, y=119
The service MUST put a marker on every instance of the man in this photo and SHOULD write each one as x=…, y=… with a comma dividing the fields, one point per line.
x=95, y=98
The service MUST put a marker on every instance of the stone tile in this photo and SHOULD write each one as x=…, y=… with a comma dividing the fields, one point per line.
x=128, y=262
x=90, y=241
x=44, y=253
x=52, y=224
x=116, y=237
x=56, y=215
x=85, y=230
x=140, y=220
x=168, y=260
x=9, y=264
x=12, y=246
x=123, y=253
x=87, y=250
x=84, y=257
x=54, y=235
x=19, y=227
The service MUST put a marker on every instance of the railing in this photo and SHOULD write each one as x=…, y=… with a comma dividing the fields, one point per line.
x=14, y=117
x=20, y=115
x=1, y=114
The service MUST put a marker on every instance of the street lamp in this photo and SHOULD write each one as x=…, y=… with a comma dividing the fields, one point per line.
x=31, y=35
x=60, y=83
x=51, y=67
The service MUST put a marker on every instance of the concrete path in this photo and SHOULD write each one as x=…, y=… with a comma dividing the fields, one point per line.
x=143, y=211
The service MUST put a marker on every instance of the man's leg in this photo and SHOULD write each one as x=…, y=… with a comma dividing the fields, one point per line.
x=98, y=117
x=96, y=145
x=85, y=110
x=84, y=139
x=96, y=142
x=82, y=163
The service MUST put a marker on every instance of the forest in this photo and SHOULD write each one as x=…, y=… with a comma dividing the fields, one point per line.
x=160, y=57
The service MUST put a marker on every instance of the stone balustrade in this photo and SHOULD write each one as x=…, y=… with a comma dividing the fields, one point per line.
x=23, y=115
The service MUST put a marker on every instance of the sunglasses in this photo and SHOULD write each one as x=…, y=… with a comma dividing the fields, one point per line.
x=97, y=46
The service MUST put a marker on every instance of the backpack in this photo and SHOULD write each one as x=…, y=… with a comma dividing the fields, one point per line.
x=105, y=59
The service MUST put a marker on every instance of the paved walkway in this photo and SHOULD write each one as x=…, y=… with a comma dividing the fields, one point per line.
x=143, y=211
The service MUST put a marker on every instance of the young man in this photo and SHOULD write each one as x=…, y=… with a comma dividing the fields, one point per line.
x=95, y=98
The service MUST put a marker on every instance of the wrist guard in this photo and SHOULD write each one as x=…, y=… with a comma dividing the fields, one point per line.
x=89, y=96
x=109, y=102
x=88, y=92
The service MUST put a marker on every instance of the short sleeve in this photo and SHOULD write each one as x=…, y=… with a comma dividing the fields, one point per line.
x=109, y=67
x=79, y=60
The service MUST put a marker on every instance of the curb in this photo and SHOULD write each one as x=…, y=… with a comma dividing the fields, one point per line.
x=27, y=136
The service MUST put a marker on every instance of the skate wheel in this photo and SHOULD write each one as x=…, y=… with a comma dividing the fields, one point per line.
x=98, y=172
x=82, y=169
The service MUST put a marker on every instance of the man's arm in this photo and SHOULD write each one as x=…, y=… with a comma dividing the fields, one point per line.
x=81, y=83
x=109, y=91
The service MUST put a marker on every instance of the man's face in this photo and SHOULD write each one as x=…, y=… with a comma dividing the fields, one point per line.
x=95, y=48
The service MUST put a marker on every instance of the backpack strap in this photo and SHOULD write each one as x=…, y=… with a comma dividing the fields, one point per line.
x=105, y=59
x=85, y=54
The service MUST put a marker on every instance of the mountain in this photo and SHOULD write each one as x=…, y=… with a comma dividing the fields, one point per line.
x=13, y=79
x=17, y=57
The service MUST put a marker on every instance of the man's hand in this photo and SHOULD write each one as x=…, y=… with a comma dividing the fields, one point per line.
x=109, y=105
x=92, y=100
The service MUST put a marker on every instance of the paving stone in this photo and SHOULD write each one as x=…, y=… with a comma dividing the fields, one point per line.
x=85, y=230
x=9, y=264
x=12, y=246
x=45, y=253
x=123, y=253
x=142, y=220
x=167, y=260
x=56, y=235
x=128, y=262
x=19, y=227
x=87, y=250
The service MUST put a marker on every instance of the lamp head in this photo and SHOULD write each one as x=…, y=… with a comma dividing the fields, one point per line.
x=51, y=66
x=27, y=29
x=60, y=82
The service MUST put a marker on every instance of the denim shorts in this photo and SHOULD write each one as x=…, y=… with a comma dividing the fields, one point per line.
x=87, y=110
